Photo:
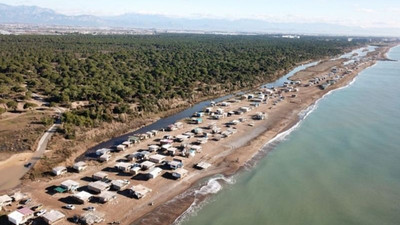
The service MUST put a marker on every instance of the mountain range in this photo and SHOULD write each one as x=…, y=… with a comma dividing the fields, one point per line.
x=33, y=15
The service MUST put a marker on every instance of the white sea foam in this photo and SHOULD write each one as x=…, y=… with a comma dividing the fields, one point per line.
x=213, y=186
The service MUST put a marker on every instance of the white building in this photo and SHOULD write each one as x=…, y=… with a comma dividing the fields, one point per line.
x=157, y=158
x=5, y=200
x=98, y=186
x=79, y=166
x=20, y=216
x=70, y=185
x=139, y=191
x=82, y=196
x=59, y=170
x=153, y=173
x=53, y=216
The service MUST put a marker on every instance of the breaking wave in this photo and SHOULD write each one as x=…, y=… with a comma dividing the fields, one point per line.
x=201, y=196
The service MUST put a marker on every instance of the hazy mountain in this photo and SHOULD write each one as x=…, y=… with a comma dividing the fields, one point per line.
x=41, y=16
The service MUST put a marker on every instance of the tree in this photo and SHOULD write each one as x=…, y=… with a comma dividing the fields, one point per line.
x=12, y=105
x=30, y=105
x=2, y=110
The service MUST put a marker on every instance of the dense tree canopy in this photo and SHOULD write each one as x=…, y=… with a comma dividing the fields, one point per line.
x=113, y=71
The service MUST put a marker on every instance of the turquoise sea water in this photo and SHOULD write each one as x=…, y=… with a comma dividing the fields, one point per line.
x=341, y=166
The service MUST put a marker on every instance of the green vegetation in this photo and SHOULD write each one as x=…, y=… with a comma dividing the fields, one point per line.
x=138, y=74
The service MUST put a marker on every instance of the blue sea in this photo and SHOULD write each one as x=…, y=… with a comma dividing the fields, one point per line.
x=339, y=166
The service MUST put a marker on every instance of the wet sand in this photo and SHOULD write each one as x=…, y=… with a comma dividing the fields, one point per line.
x=227, y=157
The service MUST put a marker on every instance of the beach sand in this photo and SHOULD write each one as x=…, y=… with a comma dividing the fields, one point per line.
x=227, y=156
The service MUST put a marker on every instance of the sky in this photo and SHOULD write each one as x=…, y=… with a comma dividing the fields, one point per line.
x=360, y=13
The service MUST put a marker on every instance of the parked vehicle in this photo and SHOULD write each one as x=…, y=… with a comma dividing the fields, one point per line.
x=41, y=212
x=69, y=207
x=90, y=208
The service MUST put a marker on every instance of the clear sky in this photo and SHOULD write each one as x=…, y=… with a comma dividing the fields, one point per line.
x=363, y=13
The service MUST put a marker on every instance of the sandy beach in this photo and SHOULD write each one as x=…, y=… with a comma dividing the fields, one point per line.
x=227, y=156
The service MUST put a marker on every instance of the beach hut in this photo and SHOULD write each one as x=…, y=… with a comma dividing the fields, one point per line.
x=100, y=176
x=153, y=148
x=219, y=111
x=20, y=216
x=175, y=164
x=224, y=104
x=201, y=141
x=203, y=165
x=197, y=130
x=134, y=139
x=172, y=151
x=70, y=185
x=127, y=144
x=121, y=147
x=259, y=116
x=53, y=216
x=208, y=110
x=119, y=184
x=157, y=158
x=139, y=191
x=102, y=151
x=106, y=196
x=105, y=157
x=198, y=114
x=134, y=170
x=98, y=186
x=153, y=173
x=59, y=170
x=5, y=200
x=244, y=109
x=189, y=134
x=181, y=138
x=179, y=173
x=147, y=165
x=92, y=217
x=82, y=197
x=178, y=125
x=79, y=166
x=123, y=166
x=166, y=141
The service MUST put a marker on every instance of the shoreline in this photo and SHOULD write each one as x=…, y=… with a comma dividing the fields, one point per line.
x=262, y=152
x=233, y=157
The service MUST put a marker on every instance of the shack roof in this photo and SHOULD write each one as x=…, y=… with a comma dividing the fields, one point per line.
x=83, y=195
x=99, y=185
x=59, y=168
x=147, y=164
x=142, y=190
x=107, y=195
x=154, y=147
x=16, y=216
x=5, y=198
x=60, y=189
x=79, y=164
x=25, y=211
x=53, y=216
x=157, y=157
x=120, y=183
x=92, y=217
x=203, y=165
x=123, y=165
x=69, y=183
x=100, y=174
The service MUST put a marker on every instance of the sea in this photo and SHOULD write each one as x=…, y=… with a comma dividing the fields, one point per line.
x=340, y=165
